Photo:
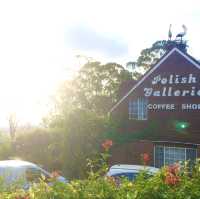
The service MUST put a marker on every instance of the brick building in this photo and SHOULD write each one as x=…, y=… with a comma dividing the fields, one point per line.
x=163, y=110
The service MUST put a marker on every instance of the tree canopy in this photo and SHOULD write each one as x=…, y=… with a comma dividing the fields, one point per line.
x=95, y=88
x=151, y=55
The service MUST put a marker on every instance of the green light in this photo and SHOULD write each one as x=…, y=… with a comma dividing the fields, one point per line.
x=183, y=126
x=179, y=125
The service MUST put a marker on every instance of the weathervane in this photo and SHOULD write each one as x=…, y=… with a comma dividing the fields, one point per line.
x=179, y=35
x=170, y=32
x=182, y=34
x=178, y=41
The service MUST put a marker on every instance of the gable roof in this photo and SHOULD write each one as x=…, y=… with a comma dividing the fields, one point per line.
x=152, y=69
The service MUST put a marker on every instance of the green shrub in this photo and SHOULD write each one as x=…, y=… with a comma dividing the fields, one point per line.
x=96, y=187
x=173, y=182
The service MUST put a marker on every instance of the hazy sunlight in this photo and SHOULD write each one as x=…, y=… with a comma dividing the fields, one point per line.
x=39, y=41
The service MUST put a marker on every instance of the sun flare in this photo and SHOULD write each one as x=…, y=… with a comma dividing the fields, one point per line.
x=26, y=93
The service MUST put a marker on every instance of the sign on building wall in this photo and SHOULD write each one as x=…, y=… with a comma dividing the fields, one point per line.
x=173, y=85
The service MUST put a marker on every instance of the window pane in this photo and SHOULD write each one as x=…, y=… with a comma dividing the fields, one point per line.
x=173, y=155
x=138, y=109
x=33, y=175
x=159, y=156
x=191, y=155
x=129, y=176
x=133, y=109
x=170, y=155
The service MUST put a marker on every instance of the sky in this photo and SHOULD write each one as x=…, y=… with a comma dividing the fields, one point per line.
x=40, y=41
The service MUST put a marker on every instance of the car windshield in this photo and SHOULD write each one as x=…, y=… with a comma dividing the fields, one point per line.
x=12, y=174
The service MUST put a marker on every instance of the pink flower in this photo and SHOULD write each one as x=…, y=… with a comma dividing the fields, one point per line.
x=145, y=158
x=173, y=169
x=172, y=177
x=107, y=144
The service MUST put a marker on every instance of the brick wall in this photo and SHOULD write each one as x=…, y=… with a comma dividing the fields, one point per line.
x=130, y=153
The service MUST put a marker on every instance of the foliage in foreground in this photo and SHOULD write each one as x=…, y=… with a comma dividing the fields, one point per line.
x=173, y=182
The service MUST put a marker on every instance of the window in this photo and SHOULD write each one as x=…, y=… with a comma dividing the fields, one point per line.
x=173, y=155
x=138, y=109
x=34, y=175
x=159, y=156
x=129, y=176
x=165, y=155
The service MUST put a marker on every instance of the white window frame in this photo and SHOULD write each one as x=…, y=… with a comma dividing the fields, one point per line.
x=164, y=155
x=142, y=112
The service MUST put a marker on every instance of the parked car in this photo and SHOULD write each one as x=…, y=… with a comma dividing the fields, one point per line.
x=130, y=171
x=12, y=171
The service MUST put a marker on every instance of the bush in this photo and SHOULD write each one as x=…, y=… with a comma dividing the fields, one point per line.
x=172, y=182
x=65, y=148
x=96, y=187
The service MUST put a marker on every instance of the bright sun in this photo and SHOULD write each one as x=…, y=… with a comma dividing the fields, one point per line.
x=26, y=92
x=27, y=85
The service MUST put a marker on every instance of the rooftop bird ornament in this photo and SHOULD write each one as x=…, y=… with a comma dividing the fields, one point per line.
x=182, y=34
x=170, y=32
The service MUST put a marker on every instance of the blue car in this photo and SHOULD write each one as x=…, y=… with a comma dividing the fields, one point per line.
x=130, y=171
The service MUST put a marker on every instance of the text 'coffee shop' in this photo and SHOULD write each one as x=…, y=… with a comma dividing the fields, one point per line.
x=161, y=112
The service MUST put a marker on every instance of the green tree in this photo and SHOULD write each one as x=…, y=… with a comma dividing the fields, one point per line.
x=42, y=146
x=148, y=57
x=81, y=107
x=64, y=102
x=94, y=88
x=83, y=136
x=97, y=85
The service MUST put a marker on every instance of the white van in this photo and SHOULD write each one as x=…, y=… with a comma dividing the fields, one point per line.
x=130, y=171
x=16, y=171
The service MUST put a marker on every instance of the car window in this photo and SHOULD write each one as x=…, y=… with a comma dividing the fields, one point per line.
x=34, y=175
x=129, y=176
